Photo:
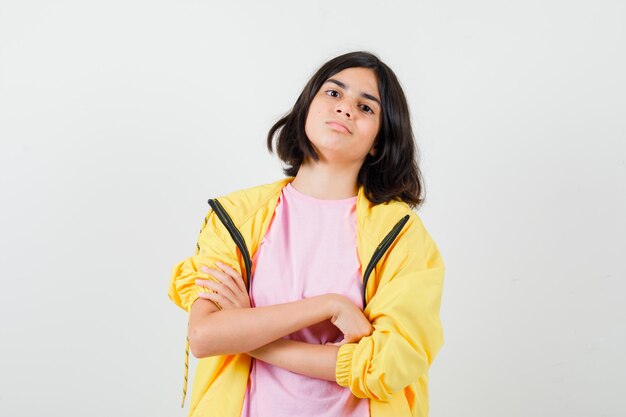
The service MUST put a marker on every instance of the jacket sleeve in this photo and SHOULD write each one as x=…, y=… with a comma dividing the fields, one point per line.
x=404, y=313
x=210, y=248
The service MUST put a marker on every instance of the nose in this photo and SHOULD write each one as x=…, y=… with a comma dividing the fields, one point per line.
x=344, y=107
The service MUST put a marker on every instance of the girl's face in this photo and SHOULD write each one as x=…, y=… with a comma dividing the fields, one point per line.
x=344, y=116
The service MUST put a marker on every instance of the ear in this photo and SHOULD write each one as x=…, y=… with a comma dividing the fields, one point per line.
x=373, y=151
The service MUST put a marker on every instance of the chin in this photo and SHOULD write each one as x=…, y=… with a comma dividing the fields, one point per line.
x=332, y=143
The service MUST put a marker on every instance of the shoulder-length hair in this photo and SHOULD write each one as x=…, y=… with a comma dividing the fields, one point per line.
x=394, y=173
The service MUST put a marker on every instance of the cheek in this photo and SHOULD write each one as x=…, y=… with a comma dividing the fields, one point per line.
x=372, y=129
x=312, y=118
x=314, y=108
x=309, y=125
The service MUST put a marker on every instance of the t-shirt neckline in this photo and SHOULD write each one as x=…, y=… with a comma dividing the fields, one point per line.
x=298, y=194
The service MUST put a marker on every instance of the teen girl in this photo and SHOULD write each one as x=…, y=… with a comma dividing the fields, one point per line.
x=319, y=294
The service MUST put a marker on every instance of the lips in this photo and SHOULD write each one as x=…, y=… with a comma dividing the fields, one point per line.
x=338, y=125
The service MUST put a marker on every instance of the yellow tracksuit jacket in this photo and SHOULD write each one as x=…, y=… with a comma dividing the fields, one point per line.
x=403, y=275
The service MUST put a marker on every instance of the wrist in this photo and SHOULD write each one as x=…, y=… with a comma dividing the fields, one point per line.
x=332, y=304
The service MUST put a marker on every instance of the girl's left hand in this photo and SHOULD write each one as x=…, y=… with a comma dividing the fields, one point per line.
x=230, y=292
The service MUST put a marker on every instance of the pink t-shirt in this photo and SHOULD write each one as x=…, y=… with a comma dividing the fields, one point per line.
x=309, y=249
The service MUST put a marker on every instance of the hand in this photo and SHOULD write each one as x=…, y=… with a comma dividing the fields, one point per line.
x=349, y=318
x=230, y=292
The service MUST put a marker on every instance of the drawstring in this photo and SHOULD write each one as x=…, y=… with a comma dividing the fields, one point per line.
x=186, y=372
x=182, y=405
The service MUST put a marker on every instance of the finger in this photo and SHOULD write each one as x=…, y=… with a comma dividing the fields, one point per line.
x=223, y=278
x=219, y=298
x=236, y=276
x=217, y=287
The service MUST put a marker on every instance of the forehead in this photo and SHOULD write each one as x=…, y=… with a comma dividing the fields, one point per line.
x=358, y=78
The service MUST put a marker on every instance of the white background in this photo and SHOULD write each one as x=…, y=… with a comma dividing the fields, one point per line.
x=119, y=119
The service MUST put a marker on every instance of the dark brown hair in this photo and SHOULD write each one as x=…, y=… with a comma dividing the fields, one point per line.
x=393, y=174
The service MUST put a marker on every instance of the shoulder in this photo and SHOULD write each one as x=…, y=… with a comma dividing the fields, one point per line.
x=384, y=216
x=413, y=237
x=243, y=203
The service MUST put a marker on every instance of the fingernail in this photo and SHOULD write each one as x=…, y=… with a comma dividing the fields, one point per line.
x=204, y=268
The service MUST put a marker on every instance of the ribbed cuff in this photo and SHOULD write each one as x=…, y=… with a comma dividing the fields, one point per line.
x=344, y=363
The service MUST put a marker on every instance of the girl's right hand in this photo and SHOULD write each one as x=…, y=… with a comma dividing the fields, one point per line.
x=349, y=318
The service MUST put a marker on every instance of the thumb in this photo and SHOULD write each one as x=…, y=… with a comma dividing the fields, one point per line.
x=343, y=341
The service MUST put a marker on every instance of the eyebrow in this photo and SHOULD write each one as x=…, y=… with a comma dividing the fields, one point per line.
x=345, y=87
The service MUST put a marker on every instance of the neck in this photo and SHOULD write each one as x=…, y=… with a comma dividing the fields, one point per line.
x=323, y=181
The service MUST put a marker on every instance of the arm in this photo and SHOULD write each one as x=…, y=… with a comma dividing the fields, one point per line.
x=312, y=359
x=317, y=361
x=212, y=332
x=405, y=315
x=210, y=249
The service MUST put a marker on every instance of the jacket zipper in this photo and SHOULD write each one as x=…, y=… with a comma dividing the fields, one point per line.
x=380, y=251
x=236, y=235
x=240, y=242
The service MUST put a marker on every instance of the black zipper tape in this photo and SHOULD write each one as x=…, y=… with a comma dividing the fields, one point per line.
x=236, y=235
x=380, y=251
x=241, y=244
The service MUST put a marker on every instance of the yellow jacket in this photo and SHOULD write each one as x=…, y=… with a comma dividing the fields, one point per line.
x=403, y=275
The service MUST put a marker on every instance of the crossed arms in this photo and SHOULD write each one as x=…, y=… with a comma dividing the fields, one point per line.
x=403, y=313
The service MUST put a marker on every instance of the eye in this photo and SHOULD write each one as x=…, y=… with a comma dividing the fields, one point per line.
x=330, y=93
x=367, y=108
